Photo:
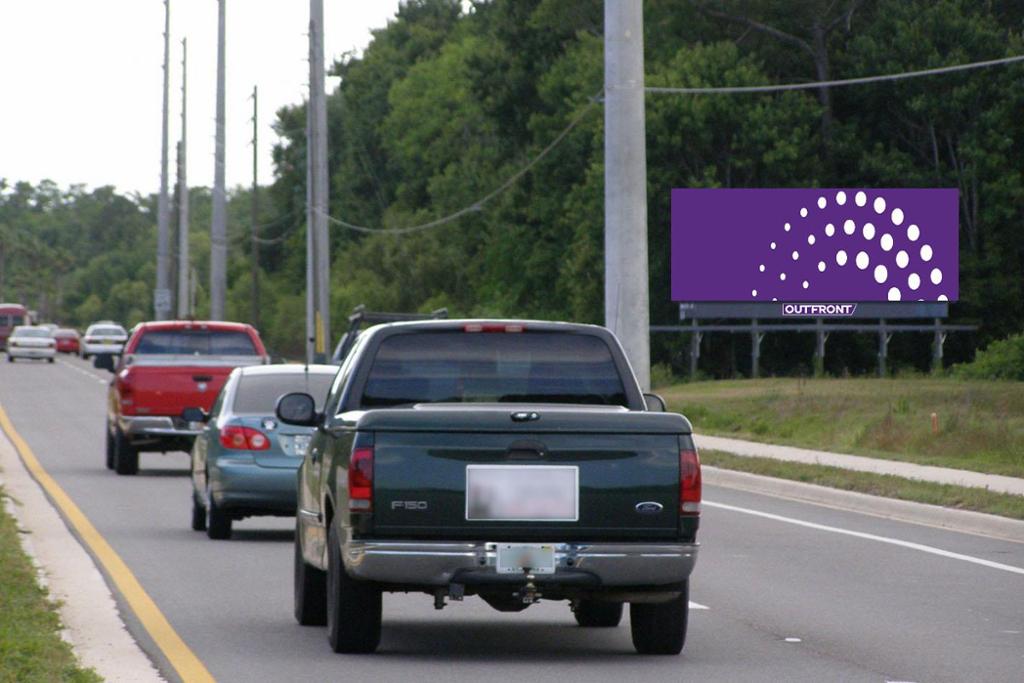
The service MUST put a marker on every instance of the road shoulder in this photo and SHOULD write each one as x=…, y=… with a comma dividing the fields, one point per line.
x=918, y=513
x=86, y=605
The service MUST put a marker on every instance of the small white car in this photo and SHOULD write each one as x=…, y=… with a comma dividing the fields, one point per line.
x=31, y=342
x=103, y=337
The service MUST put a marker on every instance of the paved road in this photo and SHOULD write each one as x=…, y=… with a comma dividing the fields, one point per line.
x=790, y=596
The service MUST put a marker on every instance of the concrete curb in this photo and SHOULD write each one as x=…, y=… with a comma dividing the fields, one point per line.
x=908, y=470
x=88, y=611
x=905, y=511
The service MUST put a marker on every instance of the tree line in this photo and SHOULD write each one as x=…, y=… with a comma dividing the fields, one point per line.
x=444, y=105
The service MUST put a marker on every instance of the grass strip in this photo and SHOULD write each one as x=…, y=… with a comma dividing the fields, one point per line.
x=946, y=495
x=31, y=648
x=969, y=425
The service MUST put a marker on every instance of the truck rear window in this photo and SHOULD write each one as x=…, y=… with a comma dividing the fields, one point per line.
x=196, y=343
x=459, y=367
x=258, y=394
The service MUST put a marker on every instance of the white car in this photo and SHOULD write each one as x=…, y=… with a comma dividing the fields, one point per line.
x=103, y=337
x=31, y=342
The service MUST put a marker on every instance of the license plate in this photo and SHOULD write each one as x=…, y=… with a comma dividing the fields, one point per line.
x=522, y=493
x=518, y=558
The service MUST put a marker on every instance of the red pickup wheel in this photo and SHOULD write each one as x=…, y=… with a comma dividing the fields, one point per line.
x=126, y=456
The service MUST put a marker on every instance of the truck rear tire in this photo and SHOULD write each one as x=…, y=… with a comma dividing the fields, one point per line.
x=310, y=590
x=660, y=628
x=597, y=614
x=126, y=457
x=353, y=607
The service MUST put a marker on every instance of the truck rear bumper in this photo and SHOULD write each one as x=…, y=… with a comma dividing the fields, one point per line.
x=155, y=426
x=620, y=565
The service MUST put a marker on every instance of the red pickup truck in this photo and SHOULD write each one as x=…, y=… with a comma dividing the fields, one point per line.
x=167, y=367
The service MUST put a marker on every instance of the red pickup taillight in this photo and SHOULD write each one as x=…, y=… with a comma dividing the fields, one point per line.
x=239, y=438
x=689, y=483
x=360, y=480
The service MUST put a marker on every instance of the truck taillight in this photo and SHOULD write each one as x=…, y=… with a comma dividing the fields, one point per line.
x=689, y=483
x=360, y=480
x=239, y=438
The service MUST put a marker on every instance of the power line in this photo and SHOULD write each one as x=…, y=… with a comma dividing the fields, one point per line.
x=478, y=205
x=726, y=90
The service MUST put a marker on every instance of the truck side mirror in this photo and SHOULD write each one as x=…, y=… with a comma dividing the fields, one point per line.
x=297, y=409
x=655, y=403
x=104, y=361
x=194, y=415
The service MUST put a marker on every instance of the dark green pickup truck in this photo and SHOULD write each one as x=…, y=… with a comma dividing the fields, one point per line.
x=512, y=460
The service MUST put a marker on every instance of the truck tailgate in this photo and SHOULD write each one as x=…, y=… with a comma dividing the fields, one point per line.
x=169, y=389
x=526, y=485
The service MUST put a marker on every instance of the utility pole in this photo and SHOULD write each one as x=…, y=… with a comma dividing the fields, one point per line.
x=162, y=293
x=255, y=245
x=317, y=183
x=626, y=309
x=218, y=231
x=184, y=310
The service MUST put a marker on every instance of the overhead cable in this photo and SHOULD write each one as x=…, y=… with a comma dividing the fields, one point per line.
x=726, y=90
x=478, y=205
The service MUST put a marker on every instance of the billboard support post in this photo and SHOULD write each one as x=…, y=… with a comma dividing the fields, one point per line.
x=755, y=349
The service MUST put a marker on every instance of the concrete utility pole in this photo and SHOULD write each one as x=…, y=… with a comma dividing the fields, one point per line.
x=162, y=293
x=255, y=245
x=184, y=310
x=317, y=150
x=625, y=184
x=218, y=230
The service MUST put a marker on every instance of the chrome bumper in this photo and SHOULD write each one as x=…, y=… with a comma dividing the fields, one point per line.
x=155, y=425
x=591, y=564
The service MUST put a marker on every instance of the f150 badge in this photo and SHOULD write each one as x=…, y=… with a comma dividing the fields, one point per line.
x=648, y=507
x=408, y=505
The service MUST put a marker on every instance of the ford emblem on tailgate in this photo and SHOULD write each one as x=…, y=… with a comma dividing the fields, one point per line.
x=648, y=507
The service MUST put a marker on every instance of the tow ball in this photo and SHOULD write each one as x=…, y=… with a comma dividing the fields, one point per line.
x=529, y=593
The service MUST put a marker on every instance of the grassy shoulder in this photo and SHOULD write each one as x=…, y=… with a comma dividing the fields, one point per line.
x=979, y=425
x=31, y=648
x=979, y=500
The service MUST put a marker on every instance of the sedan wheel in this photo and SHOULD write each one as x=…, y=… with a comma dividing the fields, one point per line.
x=218, y=522
x=198, y=514
x=353, y=607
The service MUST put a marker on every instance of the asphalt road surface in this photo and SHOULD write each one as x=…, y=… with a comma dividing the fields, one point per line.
x=787, y=591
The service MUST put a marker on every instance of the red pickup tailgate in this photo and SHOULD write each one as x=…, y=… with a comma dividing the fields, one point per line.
x=172, y=385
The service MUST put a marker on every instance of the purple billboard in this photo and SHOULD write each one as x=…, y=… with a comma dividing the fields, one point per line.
x=815, y=245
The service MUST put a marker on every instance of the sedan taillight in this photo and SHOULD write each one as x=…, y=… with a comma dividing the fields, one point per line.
x=239, y=438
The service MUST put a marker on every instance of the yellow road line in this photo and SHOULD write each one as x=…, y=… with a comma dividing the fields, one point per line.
x=184, y=661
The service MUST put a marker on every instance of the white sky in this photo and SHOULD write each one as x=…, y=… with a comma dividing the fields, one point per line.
x=81, y=83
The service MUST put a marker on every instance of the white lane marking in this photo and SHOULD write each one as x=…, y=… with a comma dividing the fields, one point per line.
x=872, y=537
x=697, y=605
x=793, y=640
x=81, y=371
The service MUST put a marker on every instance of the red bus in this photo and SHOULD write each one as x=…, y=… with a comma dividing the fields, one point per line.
x=11, y=315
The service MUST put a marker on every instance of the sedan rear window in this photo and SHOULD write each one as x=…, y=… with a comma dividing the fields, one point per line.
x=258, y=394
x=107, y=332
x=529, y=367
x=32, y=332
x=196, y=343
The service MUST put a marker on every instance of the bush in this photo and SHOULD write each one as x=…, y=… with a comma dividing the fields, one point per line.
x=1003, y=359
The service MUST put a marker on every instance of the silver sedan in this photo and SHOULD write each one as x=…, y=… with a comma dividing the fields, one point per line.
x=31, y=342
